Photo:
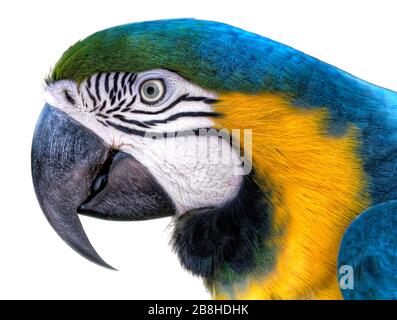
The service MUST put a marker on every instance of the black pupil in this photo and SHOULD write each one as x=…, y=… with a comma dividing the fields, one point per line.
x=150, y=91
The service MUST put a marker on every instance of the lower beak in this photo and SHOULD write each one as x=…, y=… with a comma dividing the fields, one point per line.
x=74, y=171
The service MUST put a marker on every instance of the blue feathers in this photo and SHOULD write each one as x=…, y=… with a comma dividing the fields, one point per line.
x=370, y=247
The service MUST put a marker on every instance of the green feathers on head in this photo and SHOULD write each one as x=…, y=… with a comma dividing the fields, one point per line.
x=213, y=55
x=138, y=47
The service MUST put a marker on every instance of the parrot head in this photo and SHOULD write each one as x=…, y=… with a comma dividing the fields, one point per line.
x=124, y=134
x=138, y=125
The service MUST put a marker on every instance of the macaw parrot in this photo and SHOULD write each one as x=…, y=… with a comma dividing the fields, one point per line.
x=296, y=182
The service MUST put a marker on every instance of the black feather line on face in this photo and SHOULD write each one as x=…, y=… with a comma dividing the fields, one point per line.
x=213, y=241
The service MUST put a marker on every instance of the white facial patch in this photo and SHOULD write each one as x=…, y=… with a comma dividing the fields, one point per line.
x=126, y=109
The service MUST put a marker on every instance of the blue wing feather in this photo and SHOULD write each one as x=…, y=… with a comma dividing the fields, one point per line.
x=369, y=246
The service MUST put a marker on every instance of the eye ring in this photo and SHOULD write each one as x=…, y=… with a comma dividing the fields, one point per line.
x=152, y=91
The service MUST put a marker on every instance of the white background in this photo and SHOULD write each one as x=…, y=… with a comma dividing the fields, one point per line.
x=357, y=36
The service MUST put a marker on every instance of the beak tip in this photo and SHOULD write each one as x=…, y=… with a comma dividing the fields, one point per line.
x=107, y=266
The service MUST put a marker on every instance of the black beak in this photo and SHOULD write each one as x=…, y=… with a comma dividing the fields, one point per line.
x=74, y=171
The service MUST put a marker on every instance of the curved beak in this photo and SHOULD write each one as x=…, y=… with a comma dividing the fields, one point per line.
x=74, y=172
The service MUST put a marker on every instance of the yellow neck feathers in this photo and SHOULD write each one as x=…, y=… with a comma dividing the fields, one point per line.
x=318, y=187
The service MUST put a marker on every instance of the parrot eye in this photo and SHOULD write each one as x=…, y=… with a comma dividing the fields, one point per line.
x=152, y=91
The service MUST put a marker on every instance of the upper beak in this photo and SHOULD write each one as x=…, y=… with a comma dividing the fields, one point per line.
x=74, y=171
